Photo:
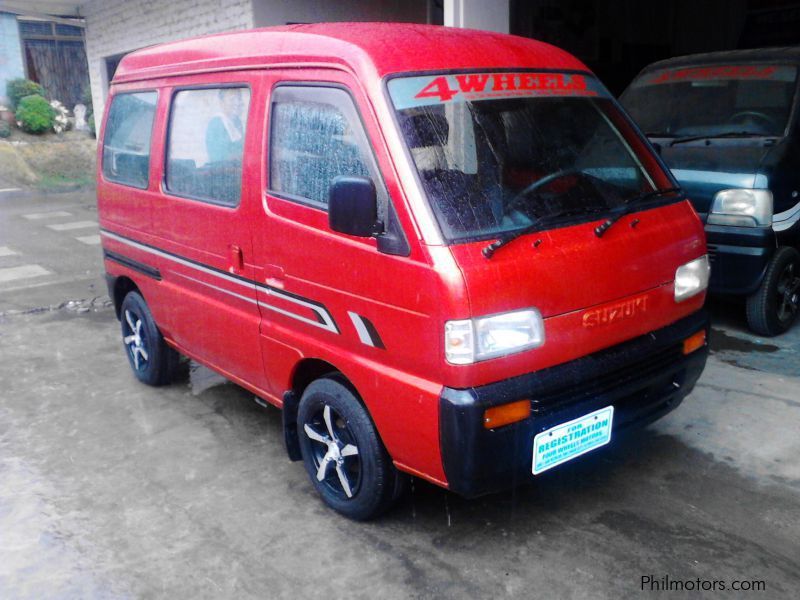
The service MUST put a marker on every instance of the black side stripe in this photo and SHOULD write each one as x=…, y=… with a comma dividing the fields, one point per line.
x=277, y=292
x=366, y=331
x=373, y=333
x=133, y=264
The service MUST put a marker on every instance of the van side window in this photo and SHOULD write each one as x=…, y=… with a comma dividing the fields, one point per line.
x=126, y=145
x=206, y=144
x=316, y=136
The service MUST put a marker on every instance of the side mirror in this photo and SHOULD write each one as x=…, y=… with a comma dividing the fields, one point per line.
x=353, y=206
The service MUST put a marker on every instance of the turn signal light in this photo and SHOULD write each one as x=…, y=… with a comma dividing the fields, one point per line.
x=694, y=342
x=497, y=416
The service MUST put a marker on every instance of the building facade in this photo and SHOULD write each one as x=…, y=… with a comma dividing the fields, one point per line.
x=11, y=65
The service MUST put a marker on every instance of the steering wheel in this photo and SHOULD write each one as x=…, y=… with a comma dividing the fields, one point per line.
x=542, y=182
x=752, y=114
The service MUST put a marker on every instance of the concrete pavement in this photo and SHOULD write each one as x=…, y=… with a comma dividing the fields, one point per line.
x=49, y=250
x=111, y=489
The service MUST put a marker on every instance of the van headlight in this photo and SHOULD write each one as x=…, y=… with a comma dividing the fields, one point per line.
x=472, y=340
x=691, y=278
x=741, y=207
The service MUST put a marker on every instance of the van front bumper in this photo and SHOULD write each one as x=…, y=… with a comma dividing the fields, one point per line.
x=739, y=257
x=643, y=379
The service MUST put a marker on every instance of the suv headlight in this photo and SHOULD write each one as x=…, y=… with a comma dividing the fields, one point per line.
x=741, y=207
x=691, y=278
x=472, y=340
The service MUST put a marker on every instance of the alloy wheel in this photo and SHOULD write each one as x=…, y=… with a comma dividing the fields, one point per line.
x=334, y=452
x=788, y=291
x=135, y=340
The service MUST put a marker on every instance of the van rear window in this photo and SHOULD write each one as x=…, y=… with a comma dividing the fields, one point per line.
x=206, y=144
x=126, y=145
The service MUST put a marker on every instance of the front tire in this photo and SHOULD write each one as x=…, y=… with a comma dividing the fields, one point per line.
x=152, y=361
x=774, y=307
x=343, y=455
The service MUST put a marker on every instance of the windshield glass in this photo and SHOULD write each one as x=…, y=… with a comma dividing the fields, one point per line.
x=497, y=151
x=713, y=100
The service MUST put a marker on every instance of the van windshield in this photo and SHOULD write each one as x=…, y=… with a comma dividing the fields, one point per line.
x=497, y=152
x=719, y=100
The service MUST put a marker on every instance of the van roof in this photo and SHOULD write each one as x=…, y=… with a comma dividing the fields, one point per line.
x=790, y=54
x=375, y=49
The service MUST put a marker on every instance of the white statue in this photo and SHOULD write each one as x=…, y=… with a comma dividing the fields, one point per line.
x=80, y=117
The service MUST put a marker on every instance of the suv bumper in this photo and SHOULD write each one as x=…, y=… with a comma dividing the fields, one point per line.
x=643, y=378
x=739, y=257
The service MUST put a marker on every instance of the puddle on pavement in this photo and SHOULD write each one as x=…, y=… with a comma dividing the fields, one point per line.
x=202, y=378
x=722, y=342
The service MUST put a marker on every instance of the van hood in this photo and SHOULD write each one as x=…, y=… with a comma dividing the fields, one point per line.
x=703, y=170
x=567, y=269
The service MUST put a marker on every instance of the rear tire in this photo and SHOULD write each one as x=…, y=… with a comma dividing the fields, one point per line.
x=774, y=307
x=343, y=455
x=152, y=361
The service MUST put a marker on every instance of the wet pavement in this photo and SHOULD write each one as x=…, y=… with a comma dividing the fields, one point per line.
x=111, y=489
x=732, y=343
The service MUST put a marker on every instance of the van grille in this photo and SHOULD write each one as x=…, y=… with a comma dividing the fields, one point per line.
x=712, y=253
x=625, y=376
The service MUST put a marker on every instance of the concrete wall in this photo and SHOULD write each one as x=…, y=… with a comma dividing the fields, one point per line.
x=11, y=65
x=477, y=14
x=115, y=27
x=272, y=12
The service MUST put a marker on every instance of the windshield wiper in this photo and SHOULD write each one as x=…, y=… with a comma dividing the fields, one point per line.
x=714, y=136
x=628, y=206
x=536, y=225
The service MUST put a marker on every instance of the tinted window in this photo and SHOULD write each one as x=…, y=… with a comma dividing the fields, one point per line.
x=316, y=136
x=713, y=100
x=126, y=147
x=206, y=144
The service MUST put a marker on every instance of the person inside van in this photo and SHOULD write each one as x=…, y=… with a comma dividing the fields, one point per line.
x=225, y=133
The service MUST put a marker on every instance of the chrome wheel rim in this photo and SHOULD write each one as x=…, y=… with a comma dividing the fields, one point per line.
x=788, y=291
x=335, y=455
x=135, y=339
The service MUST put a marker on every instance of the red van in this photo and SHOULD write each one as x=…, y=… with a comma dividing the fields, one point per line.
x=443, y=253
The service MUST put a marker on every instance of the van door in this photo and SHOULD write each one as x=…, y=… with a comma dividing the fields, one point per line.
x=202, y=222
x=370, y=311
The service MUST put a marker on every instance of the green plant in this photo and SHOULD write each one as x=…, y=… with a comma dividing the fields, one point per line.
x=35, y=115
x=90, y=122
x=86, y=99
x=17, y=89
x=5, y=129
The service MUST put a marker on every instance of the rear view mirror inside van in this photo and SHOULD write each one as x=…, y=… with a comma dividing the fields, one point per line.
x=353, y=206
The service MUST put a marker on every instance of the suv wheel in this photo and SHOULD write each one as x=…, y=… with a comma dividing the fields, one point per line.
x=775, y=306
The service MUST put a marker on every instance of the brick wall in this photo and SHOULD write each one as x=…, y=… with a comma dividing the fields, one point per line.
x=114, y=27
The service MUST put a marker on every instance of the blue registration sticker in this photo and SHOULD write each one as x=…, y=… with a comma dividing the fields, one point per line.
x=569, y=440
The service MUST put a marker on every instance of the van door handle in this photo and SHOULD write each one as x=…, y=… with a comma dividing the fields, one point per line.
x=236, y=258
x=274, y=276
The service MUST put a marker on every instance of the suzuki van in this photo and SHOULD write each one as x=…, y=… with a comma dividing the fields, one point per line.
x=727, y=124
x=442, y=253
